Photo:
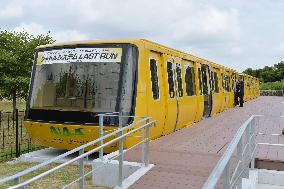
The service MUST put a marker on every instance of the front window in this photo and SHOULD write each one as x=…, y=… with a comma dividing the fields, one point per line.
x=86, y=80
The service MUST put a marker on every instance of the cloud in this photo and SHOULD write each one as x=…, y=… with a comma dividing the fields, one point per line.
x=69, y=35
x=237, y=34
x=65, y=35
x=10, y=11
x=32, y=28
x=177, y=23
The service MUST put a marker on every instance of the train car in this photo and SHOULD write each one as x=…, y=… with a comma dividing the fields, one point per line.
x=74, y=82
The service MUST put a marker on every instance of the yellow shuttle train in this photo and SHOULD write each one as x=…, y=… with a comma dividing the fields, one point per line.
x=73, y=82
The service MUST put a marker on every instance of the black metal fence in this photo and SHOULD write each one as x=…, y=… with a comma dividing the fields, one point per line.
x=14, y=139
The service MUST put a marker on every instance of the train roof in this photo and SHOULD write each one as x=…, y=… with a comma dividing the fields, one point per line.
x=135, y=41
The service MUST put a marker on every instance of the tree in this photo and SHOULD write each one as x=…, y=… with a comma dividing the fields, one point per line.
x=16, y=59
x=249, y=71
x=268, y=73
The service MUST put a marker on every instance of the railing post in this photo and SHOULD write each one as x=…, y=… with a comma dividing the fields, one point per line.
x=120, y=159
x=227, y=176
x=240, y=160
x=147, y=144
x=247, y=152
x=253, y=143
x=248, y=134
x=81, y=165
x=17, y=133
x=101, y=134
x=143, y=146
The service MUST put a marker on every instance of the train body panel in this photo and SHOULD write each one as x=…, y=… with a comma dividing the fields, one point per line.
x=174, y=88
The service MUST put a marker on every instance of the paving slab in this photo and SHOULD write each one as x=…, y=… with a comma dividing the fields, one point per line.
x=185, y=159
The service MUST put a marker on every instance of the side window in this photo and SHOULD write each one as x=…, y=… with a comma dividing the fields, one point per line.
x=212, y=81
x=216, y=86
x=171, y=79
x=179, y=80
x=228, y=83
x=223, y=82
x=154, y=79
x=200, y=81
x=189, y=80
x=204, y=81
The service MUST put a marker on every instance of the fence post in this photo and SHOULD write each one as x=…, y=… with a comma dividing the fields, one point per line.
x=1, y=120
x=120, y=159
x=101, y=134
x=17, y=180
x=81, y=164
x=3, y=145
x=17, y=133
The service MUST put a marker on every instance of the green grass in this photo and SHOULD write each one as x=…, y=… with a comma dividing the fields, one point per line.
x=8, y=133
x=277, y=85
x=55, y=180
x=7, y=106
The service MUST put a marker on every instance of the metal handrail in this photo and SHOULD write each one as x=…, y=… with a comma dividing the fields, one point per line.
x=223, y=167
x=245, y=155
x=82, y=155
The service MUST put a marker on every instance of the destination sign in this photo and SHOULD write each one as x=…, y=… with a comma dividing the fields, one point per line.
x=80, y=55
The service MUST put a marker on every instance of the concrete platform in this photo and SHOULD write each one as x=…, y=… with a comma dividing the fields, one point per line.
x=42, y=155
x=185, y=158
x=264, y=179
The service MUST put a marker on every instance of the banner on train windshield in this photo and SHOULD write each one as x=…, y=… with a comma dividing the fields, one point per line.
x=79, y=55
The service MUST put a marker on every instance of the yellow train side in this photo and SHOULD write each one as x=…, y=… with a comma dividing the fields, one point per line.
x=212, y=91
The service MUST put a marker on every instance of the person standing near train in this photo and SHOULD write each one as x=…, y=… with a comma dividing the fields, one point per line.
x=234, y=87
x=240, y=91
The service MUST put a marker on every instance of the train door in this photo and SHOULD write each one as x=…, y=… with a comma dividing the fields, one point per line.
x=199, y=92
x=216, y=96
x=225, y=86
x=155, y=97
x=231, y=92
x=171, y=94
x=189, y=106
x=182, y=116
x=205, y=73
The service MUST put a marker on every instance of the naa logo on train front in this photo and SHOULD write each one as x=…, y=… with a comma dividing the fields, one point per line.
x=65, y=132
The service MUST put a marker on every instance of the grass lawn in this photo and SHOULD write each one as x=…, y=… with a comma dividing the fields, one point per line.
x=7, y=106
x=55, y=180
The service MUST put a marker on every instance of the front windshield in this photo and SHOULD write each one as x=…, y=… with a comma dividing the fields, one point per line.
x=76, y=86
x=83, y=80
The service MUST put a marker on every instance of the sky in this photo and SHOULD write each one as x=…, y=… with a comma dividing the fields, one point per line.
x=234, y=33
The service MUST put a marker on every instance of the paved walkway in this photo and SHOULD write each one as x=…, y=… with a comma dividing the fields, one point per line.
x=185, y=158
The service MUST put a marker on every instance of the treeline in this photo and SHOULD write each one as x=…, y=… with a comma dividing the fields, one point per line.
x=268, y=73
x=271, y=77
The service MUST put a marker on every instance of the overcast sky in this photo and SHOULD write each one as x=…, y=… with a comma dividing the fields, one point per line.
x=234, y=33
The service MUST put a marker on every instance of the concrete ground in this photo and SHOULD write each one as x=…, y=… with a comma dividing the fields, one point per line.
x=185, y=158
